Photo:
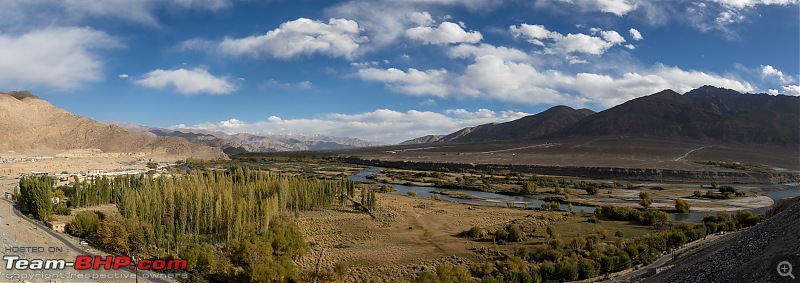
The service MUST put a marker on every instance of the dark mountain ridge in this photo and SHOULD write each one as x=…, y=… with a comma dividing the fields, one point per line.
x=706, y=113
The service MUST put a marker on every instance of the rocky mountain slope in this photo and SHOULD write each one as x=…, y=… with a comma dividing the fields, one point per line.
x=539, y=125
x=423, y=139
x=748, y=256
x=707, y=113
x=32, y=125
x=244, y=142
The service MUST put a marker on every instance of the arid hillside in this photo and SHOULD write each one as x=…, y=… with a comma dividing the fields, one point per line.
x=752, y=255
x=33, y=126
x=704, y=115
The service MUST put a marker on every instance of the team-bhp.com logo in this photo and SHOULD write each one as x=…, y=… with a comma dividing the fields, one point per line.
x=85, y=262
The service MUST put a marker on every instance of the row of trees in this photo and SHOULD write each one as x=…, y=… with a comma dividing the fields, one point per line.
x=222, y=221
x=36, y=194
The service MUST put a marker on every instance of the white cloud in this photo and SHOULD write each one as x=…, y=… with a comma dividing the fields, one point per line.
x=188, y=82
x=210, y=5
x=741, y=4
x=635, y=34
x=630, y=46
x=706, y=16
x=383, y=125
x=499, y=74
x=337, y=38
x=423, y=19
x=123, y=76
x=386, y=21
x=414, y=82
x=555, y=42
x=305, y=85
x=48, y=13
x=429, y=102
x=445, y=33
x=140, y=11
x=56, y=57
x=616, y=7
x=768, y=71
x=792, y=90
x=473, y=51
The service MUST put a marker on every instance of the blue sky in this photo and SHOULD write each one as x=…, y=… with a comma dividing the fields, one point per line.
x=383, y=70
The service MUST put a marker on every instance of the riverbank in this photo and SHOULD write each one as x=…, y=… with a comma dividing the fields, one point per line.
x=758, y=197
x=610, y=173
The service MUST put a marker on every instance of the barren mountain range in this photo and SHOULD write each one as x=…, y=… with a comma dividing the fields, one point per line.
x=707, y=113
x=33, y=126
x=244, y=142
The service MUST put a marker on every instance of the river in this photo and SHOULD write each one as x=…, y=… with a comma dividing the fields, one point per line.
x=776, y=192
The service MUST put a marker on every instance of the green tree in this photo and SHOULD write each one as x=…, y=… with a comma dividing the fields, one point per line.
x=515, y=233
x=587, y=268
x=36, y=193
x=645, y=200
x=551, y=232
x=84, y=224
x=682, y=205
x=453, y=273
x=113, y=235
x=528, y=188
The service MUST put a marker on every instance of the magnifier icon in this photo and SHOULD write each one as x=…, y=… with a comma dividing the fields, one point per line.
x=785, y=269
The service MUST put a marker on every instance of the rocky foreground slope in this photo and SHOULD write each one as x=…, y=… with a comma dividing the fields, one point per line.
x=749, y=256
x=31, y=125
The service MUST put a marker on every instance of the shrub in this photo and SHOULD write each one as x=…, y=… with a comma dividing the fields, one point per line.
x=551, y=232
x=548, y=270
x=85, y=224
x=515, y=233
x=592, y=190
x=619, y=213
x=451, y=273
x=682, y=205
x=619, y=234
x=644, y=199
x=655, y=217
x=476, y=232
x=386, y=189
x=727, y=189
x=587, y=268
x=63, y=210
x=412, y=193
x=746, y=218
x=500, y=236
x=697, y=194
x=567, y=269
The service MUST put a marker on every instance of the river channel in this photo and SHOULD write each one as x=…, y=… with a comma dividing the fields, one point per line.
x=775, y=192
